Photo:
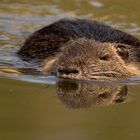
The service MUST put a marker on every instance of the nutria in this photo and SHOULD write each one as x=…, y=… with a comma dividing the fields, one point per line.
x=83, y=49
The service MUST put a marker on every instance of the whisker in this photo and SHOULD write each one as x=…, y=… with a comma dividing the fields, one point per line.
x=105, y=72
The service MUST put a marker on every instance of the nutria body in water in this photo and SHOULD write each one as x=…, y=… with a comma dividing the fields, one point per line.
x=83, y=49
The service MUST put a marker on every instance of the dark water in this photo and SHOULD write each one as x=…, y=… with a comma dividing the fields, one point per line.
x=34, y=107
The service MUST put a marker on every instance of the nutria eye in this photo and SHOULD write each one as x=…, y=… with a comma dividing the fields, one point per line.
x=105, y=57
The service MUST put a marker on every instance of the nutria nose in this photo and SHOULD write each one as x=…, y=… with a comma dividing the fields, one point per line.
x=67, y=71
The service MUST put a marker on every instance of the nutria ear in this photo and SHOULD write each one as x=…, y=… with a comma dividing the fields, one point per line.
x=122, y=50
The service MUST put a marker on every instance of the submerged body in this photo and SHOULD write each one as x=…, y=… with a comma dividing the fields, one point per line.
x=83, y=49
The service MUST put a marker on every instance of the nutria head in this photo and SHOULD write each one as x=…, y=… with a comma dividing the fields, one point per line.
x=86, y=59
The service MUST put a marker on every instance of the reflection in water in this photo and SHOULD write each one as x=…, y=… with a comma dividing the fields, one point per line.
x=84, y=95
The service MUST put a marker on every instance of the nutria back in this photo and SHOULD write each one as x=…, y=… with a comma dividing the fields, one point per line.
x=48, y=40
